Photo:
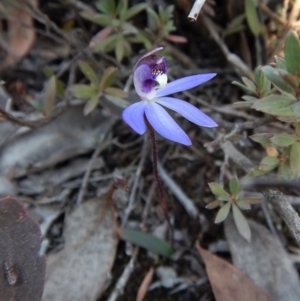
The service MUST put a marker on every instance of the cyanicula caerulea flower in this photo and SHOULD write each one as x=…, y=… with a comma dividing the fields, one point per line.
x=150, y=82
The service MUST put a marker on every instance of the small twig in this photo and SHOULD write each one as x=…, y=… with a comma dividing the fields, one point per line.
x=96, y=153
x=194, y=13
x=240, y=67
x=185, y=201
x=119, y=287
x=136, y=182
x=269, y=220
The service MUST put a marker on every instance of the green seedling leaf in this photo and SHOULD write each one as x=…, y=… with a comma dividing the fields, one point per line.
x=89, y=73
x=236, y=25
x=272, y=103
x=91, y=105
x=59, y=84
x=115, y=92
x=147, y=241
x=280, y=62
x=292, y=53
x=134, y=10
x=276, y=77
x=243, y=204
x=296, y=109
x=83, y=91
x=243, y=87
x=252, y=18
x=106, y=6
x=107, y=44
x=213, y=205
x=249, y=84
x=250, y=99
x=234, y=186
x=100, y=19
x=295, y=160
x=153, y=17
x=119, y=50
x=268, y=163
x=263, y=139
x=218, y=190
x=122, y=9
x=108, y=78
x=50, y=94
x=223, y=213
x=283, y=171
x=241, y=223
x=262, y=82
x=283, y=140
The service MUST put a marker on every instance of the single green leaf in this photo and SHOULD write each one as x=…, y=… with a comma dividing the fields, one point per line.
x=243, y=204
x=272, y=103
x=115, y=92
x=119, y=102
x=122, y=9
x=134, y=10
x=218, y=190
x=276, y=77
x=106, y=6
x=292, y=53
x=100, y=19
x=108, y=77
x=295, y=160
x=280, y=62
x=235, y=25
x=243, y=87
x=91, y=105
x=223, y=213
x=129, y=29
x=153, y=17
x=249, y=84
x=119, y=50
x=283, y=139
x=213, y=205
x=147, y=241
x=296, y=109
x=263, y=139
x=250, y=99
x=234, y=186
x=241, y=223
x=252, y=18
x=284, y=172
x=83, y=91
x=268, y=163
x=89, y=73
x=107, y=44
x=50, y=94
x=262, y=82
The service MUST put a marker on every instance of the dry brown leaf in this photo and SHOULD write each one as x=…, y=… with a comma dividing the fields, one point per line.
x=265, y=261
x=21, y=34
x=81, y=270
x=227, y=282
x=145, y=284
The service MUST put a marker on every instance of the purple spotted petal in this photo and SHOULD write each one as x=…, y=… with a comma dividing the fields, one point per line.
x=164, y=124
x=187, y=110
x=134, y=117
x=184, y=83
x=147, y=54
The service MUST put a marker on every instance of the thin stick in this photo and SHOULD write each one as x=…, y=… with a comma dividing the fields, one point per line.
x=195, y=11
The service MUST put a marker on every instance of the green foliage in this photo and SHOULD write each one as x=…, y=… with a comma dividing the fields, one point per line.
x=93, y=91
x=252, y=17
x=115, y=16
x=147, y=241
x=232, y=201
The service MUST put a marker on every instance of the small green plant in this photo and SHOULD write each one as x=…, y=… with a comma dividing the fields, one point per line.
x=276, y=91
x=232, y=201
x=117, y=28
x=97, y=88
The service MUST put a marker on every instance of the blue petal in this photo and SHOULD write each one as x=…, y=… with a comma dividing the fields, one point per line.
x=164, y=124
x=187, y=110
x=134, y=117
x=184, y=83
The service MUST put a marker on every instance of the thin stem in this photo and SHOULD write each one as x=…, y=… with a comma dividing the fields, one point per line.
x=161, y=195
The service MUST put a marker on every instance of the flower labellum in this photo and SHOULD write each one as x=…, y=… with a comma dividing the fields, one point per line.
x=150, y=82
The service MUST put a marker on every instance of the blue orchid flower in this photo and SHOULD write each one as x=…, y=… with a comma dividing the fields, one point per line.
x=150, y=82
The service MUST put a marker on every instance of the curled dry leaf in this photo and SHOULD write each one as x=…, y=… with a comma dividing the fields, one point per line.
x=145, y=285
x=80, y=271
x=227, y=282
x=22, y=268
x=21, y=34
